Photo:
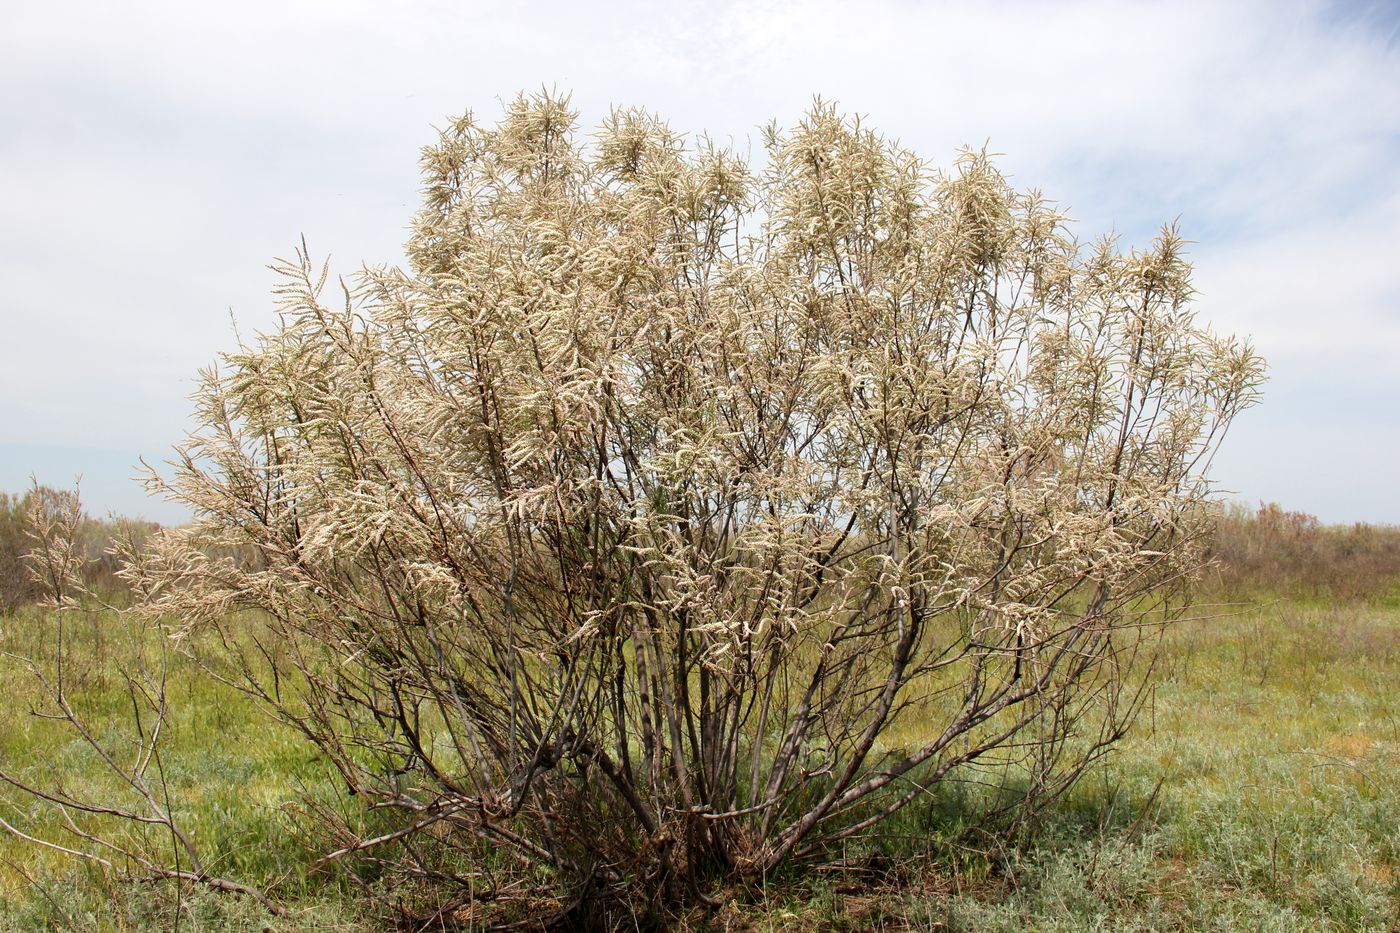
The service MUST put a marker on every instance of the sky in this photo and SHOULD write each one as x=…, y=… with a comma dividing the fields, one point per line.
x=155, y=157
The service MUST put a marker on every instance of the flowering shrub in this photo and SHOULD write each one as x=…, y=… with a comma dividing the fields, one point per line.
x=674, y=518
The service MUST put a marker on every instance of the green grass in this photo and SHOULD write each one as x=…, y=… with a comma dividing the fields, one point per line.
x=229, y=770
x=1261, y=791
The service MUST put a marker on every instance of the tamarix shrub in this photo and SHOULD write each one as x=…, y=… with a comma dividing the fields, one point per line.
x=673, y=519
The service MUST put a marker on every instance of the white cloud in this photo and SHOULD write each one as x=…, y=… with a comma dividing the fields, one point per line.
x=155, y=156
x=1321, y=290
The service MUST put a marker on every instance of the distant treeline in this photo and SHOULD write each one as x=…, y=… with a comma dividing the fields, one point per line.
x=1254, y=549
x=1292, y=553
x=95, y=538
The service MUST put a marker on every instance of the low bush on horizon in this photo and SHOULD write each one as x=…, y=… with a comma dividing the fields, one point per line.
x=1272, y=549
x=94, y=541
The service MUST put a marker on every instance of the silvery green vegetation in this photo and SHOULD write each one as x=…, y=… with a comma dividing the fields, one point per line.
x=672, y=520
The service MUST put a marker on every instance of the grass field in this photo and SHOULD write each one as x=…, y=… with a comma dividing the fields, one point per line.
x=1260, y=792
